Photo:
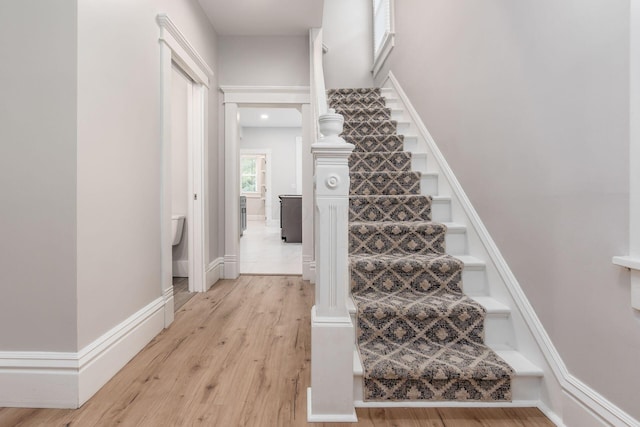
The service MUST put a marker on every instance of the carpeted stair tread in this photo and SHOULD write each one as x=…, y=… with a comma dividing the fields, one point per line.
x=391, y=183
x=419, y=336
x=411, y=207
x=347, y=91
x=407, y=237
x=377, y=143
x=384, y=161
x=369, y=127
x=461, y=370
x=396, y=272
x=362, y=114
x=415, y=304
x=404, y=316
x=443, y=316
x=363, y=97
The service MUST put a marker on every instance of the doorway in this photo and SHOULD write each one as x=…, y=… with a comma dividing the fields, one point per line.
x=234, y=98
x=176, y=51
x=181, y=182
x=269, y=165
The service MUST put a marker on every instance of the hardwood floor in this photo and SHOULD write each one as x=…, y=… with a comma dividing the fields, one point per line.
x=237, y=355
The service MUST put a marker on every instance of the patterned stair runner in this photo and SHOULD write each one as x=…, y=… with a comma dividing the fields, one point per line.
x=419, y=336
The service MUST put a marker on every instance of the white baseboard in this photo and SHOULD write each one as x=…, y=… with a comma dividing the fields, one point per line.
x=66, y=379
x=585, y=407
x=180, y=268
x=38, y=380
x=214, y=272
x=312, y=272
x=169, y=314
x=327, y=418
x=308, y=268
x=103, y=358
x=231, y=268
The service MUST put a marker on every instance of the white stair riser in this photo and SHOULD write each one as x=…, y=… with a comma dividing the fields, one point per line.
x=358, y=388
x=498, y=331
x=398, y=115
x=429, y=184
x=419, y=163
x=441, y=210
x=456, y=243
x=404, y=128
x=410, y=144
x=393, y=103
x=474, y=282
x=387, y=92
x=523, y=388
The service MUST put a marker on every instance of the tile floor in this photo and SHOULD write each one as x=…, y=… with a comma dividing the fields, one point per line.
x=262, y=251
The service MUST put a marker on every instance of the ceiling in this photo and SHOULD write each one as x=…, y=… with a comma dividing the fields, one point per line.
x=263, y=17
x=277, y=117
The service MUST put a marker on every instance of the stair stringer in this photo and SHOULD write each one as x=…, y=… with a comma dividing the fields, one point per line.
x=528, y=336
x=560, y=392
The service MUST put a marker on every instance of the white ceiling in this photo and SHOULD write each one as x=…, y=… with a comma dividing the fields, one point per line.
x=278, y=117
x=263, y=17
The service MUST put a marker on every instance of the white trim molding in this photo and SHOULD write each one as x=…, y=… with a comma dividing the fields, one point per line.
x=214, y=271
x=69, y=379
x=388, y=43
x=234, y=97
x=633, y=264
x=561, y=385
x=266, y=94
x=187, y=54
x=175, y=48
x=308, y=268
x=169, y=305
x=383, y=51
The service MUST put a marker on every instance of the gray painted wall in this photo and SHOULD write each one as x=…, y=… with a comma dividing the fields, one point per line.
x=38, y=175
x=347, y=32
x=80, y=164
x=529, y=103
x=119, y=154
x=268, y=61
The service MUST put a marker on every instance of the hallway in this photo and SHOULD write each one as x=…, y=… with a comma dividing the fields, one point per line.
x=237, y=355
x=262, y=251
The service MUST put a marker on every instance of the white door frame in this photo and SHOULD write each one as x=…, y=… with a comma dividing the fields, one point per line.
x=249, y=96
x=266, y=152
x=174, y=48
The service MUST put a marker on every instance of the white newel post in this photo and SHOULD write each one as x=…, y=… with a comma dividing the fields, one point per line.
x=330, y=397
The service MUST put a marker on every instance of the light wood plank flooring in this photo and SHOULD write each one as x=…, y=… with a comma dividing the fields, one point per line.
x=237, y=355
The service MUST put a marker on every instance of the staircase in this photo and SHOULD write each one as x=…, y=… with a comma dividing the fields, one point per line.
x=419, y=337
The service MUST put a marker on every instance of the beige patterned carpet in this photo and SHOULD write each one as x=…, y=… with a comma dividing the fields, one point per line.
x=419, y=336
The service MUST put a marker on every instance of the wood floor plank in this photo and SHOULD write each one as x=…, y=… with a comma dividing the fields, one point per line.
x=237, y=355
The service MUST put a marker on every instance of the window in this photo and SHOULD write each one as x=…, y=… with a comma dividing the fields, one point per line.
x=249, y=174
x=383, y=32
